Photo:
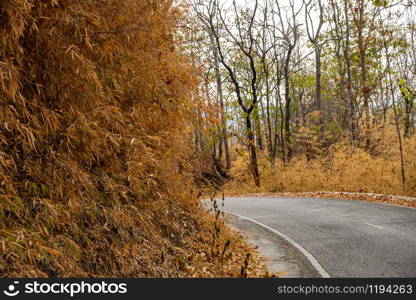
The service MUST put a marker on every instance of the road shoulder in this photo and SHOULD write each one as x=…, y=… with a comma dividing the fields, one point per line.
x=281, y=257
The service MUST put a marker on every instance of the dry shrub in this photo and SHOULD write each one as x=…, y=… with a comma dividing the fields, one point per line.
x=342, y=169
x=225, y=252
x=95, y=110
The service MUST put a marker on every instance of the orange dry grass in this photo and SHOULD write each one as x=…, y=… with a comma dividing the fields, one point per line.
x=343, y=169
x=95, y=107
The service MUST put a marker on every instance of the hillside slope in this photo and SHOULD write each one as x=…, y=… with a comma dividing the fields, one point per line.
x=95, y=106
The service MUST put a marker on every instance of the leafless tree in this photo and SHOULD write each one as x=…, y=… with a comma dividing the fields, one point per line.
x=241, y=34
x=314, y=36
x=290, y=30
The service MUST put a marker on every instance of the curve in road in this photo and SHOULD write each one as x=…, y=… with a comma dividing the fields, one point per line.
x=347, y=238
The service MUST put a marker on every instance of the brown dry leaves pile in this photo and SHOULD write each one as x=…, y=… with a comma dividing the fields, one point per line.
x=219, y=260
x=387, y=199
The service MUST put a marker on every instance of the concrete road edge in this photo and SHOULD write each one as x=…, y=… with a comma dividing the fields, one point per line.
x=311, y=259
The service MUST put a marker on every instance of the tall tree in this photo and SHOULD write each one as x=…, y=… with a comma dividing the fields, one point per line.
x=289, y=30
x=314, y=35
x=241, y=35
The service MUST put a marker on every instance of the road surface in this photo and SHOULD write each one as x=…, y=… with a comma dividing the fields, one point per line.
x=347, y=238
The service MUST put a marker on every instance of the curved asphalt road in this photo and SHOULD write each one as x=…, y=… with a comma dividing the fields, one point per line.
x=348, y=238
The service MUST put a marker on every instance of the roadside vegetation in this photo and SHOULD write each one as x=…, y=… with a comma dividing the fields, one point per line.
x=116, y=117
x=97, y=176
x=342, y=169
x=313, y=95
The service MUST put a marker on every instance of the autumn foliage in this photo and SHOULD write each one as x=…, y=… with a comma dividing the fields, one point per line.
x=95, y=109
x=340, y=169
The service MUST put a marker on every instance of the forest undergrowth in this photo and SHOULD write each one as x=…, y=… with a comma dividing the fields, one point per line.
x=342, y=168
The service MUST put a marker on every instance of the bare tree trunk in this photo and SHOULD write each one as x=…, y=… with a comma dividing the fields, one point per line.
x=396, y=118
x=318, y=75
x=353, y=116
x=364, y=87
x=288, y=150
x=314, y=36
x=359, y=22
x=257, y=124
x=270, y=141
x=282, y=134
x=252, y=152
x=221, y=98
x=246, y=48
